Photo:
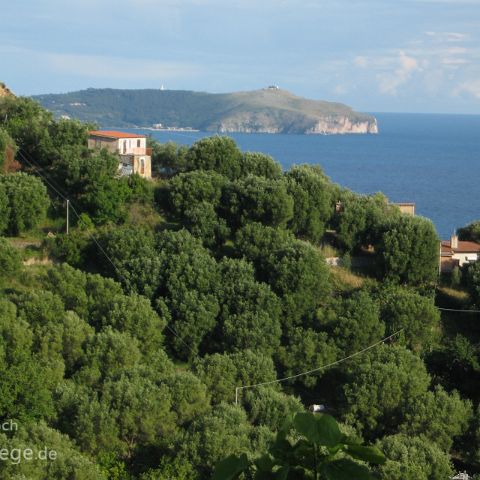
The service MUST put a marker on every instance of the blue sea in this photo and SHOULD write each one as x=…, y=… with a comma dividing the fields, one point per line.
x=432, y=160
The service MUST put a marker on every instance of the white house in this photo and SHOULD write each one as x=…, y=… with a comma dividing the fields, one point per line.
x=456, y=253
x=135, y=157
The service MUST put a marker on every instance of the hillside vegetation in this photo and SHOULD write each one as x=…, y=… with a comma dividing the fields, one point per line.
x=123, y=344
x=267, y=110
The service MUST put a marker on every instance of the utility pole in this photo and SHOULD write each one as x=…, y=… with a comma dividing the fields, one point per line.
x=68, y=218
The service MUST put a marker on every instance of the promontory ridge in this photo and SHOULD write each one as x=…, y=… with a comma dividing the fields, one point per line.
x=268, y=110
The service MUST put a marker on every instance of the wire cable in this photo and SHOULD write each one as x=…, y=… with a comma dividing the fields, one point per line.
x=456, y=310
x=175, y=333
x=323, y=367
x=35, y=166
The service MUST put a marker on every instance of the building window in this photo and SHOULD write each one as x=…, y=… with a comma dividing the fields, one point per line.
x=142, y=166
x=138, y=143
x=124, y=146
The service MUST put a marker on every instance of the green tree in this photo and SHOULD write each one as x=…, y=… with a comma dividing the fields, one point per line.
x=381, y=386
x=108, y=355
x=27, y=199
x=415, y=314
x=128, y=254
x=361, y=220
x=255, y=242
x=260, y=165
x=190, y=397
x=306, y=350
x=250, y=312
x=456, y=363
x=257, y=199
x=472, y=281
x=471, y=232
x=133, y=314
x=299, y=275
x=351, y=222
x=353, y=322
x=203, y=222
x=413, y=458
x=408, y=251
x=10, y=259
x=194, y=198
x=168, y=158
x=73, y=249
x=295, y=270
x=223, y=373
x=189, y=285
x=4, y=209
x=187, y=189
x=219, y=373
x=313, y=201
x=89, y=179
x=216, y=435
x=76, y=335
x=267, y=406
x=28, y=125
x=217, y=153
x=44, y=311
x=439, y=416
x=141, y=411
x=173, y=469
x=68, y=461
x=26, y=386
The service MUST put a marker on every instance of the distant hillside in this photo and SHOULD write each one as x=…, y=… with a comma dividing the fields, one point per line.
x=270, y=110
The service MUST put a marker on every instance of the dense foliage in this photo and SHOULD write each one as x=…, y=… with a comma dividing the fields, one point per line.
x=26, y=202
x=123, y=344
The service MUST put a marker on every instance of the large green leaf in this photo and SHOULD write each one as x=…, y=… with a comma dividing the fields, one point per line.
x=265, y=463
x=282, y=473
x=321, y=429
x=344, y=469
x=368, y=454
x=230, y=468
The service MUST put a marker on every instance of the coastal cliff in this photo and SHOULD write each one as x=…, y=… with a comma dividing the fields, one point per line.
x=331, y=125
x=268, y=110
x=342, y=125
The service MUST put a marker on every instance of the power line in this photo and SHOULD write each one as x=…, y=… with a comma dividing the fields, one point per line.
x=172, y=330
x=35, y=166
x=456, y=310
x=323, y=367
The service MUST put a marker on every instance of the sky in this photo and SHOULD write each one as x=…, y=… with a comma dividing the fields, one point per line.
x=375, y=55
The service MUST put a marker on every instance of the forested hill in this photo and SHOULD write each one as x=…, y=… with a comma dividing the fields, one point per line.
x=269, y=110
x=183, y=326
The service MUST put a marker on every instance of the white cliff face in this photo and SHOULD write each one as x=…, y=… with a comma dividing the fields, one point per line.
x=334, y=125
x=343, y=125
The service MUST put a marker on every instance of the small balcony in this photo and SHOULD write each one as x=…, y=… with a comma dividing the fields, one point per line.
x=136, y=151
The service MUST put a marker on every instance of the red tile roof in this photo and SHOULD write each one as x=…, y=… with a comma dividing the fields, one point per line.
x=463, y=247
x=114, y=134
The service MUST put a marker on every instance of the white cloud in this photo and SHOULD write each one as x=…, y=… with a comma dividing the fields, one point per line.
x=341, y=89
x=390, y=81
x=361, y=61
x=471, y=87
x=447, y=36
x=454, y=62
